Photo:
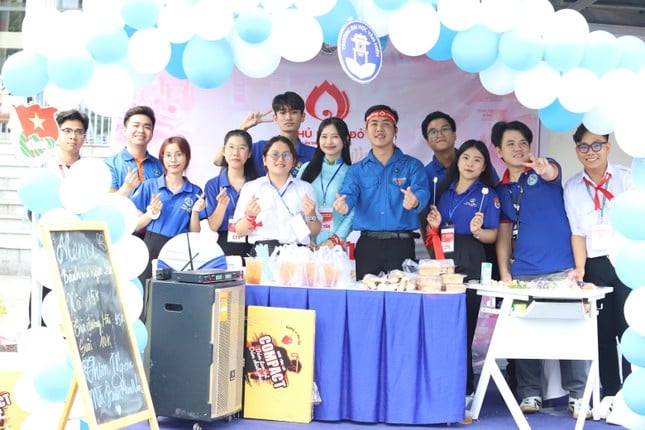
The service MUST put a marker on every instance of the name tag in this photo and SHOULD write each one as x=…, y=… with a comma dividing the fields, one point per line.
x=327, y=219
x=600, y=237
x=232, y=235
x=448, y=239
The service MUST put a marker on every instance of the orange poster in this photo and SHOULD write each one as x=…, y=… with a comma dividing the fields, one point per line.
x=279, y=364
x=11, y=415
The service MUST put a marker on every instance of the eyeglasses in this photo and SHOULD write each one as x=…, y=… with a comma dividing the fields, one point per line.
x=75, y=132
x=234, y=149
x=175, y=156
x=595, y=147
x=443, y=130
x=275, y=156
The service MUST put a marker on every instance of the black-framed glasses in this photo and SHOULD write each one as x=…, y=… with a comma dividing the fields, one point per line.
x=275, y=156
x=75, y=132
x=443, y=130
x=595, y=147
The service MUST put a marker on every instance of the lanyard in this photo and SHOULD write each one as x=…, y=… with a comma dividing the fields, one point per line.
x=324, y=188
x=517, y=202
x=459, y=203
x=281, y=194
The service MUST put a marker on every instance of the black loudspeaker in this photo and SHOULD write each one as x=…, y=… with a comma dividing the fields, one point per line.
x=194, y=356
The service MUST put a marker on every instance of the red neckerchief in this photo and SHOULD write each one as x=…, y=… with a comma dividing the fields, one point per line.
x=599, y=189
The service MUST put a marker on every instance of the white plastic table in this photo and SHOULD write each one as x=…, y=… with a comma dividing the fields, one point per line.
x=553, y=326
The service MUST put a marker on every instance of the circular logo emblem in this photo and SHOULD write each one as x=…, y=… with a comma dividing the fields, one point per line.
x=359, y=52
x=532, y=179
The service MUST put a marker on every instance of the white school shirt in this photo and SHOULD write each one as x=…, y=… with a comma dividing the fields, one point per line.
x=277, y=211
x=579, y=203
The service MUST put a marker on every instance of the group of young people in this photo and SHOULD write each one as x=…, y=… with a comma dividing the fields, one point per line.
x=281, y=191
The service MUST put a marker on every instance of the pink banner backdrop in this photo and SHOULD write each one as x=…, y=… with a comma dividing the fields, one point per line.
x=414, y=86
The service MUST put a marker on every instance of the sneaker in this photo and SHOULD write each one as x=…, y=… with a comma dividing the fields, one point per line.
x=531, y=404
x=575, y=405
x=605, y=407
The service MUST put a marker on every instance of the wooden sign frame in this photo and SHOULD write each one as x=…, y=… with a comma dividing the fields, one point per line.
x=108, y=372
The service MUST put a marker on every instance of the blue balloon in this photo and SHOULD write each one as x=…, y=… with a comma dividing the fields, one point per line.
x=557, y=118
x=632, y=345
x=39, y=191
x=390, y=4
x=563, y=56
x=129, y=31
x=140, y=334
x=633, y=391
x=70, y=71
x=601, y=53
x=335, y=19
x=475, y=49
x=629, y=262
x=175, y=66
x=24, y=73
x=638, y=171
x=109, y=47
x=253, y=25
x=52, y=383
x=627, y=213
x=441, y=51
x=208, y=64
x=111, y=216
x=520, y=49
x=632, y=53
x=140, y=14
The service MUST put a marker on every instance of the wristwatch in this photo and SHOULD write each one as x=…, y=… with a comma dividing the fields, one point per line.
x=312, y=218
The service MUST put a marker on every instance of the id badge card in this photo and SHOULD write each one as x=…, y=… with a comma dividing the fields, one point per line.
x=299, y=227
x=327, y=215
x=448, y=239
x=232, y=236
x=600, y=237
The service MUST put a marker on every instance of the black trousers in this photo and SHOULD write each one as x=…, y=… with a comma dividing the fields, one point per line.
x=611, y=322
x=381, y=255
x=468, y=256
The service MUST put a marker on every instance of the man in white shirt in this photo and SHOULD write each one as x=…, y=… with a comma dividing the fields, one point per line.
x=586, y=199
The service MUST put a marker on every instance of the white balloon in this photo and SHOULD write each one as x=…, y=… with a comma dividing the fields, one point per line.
x=213, y=20
x=126, y=207
x=36, y=29
x=40, y=346
x=71, y=32
x=110, y=92
x=298, y=49
x=617, y=242
x=55, y=216
x=140, y=80
x=276, y=6
x=499, y=15
x=623, y=416
x=626, y=129
x=634, y=315
x=538, y=87
x=176, y=21
x=498, y=79
x=244, y=5
x=107, y=11
x=377, y=18
x=315, y=8
x=255, y=60
x=132, y=301
x=566, y=25
x=62, y=99
x=534, y=15
x=86, y=183
x=51, y=312
x=459, y=15
x=130, y=256
x=149, y=51
x=27, y=398
x=580, y=90
x=414, y=29
x=41, y=271
x=600, y=120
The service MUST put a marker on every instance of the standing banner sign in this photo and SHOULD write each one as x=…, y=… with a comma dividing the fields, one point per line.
x=279, y=364
x=108, y=371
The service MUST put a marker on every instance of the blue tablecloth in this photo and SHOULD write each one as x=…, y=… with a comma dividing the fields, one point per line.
x=391, y=357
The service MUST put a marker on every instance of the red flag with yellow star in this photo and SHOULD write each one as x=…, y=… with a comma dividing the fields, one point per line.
x=39, y=130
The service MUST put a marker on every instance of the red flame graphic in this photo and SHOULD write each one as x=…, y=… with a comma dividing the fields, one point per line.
x=342, y=101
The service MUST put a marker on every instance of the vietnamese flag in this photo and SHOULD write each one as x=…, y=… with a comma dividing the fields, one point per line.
x=37, y=120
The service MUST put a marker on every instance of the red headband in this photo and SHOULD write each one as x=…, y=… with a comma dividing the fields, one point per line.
x=381, y=114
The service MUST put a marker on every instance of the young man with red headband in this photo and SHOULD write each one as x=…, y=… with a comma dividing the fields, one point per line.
x=388, y=190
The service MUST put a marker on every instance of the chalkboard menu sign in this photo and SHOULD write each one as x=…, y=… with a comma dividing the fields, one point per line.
x=108, y=369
